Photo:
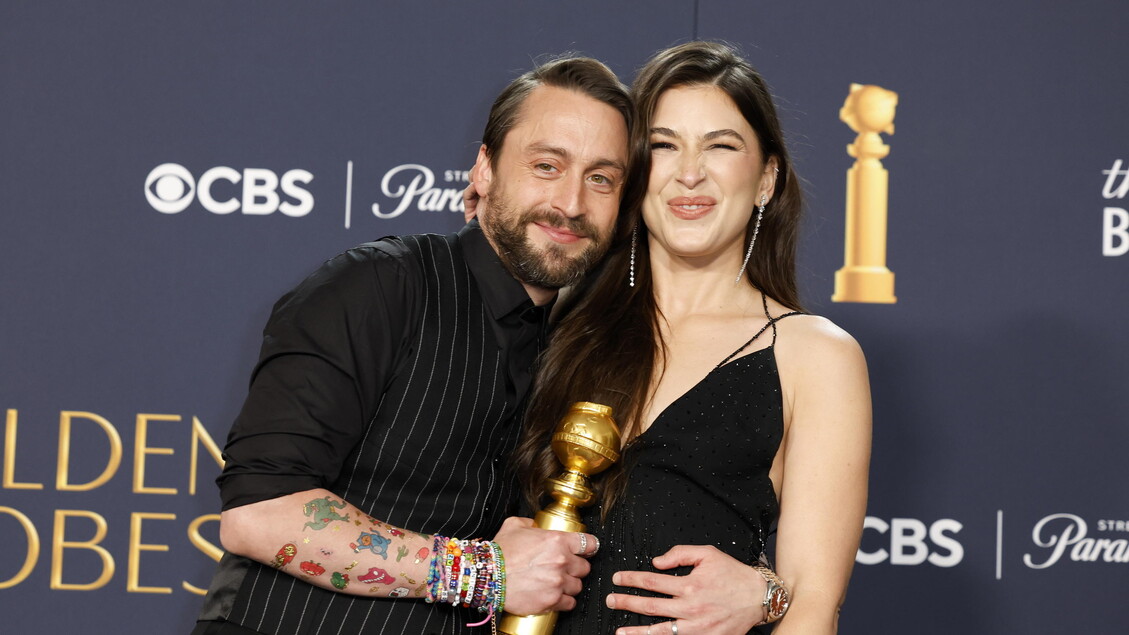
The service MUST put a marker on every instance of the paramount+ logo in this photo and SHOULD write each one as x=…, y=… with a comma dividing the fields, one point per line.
x=170, y=189
x=1050, y=540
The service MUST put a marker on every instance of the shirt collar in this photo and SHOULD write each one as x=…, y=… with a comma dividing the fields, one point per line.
x=500, y=291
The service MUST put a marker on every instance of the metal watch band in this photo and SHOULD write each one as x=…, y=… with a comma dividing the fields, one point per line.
x=776, y=597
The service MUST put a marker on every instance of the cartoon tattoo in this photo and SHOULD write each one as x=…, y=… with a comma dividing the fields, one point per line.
x=310, y=567
x=375, y=576
x=373, y=542
x=421, y=554
x=398, y=592
x=351, y=565
x=323, y=512
x=339, y=580
x=405, y=578
x=396, y=533
x=285, y=555
x=401, y=552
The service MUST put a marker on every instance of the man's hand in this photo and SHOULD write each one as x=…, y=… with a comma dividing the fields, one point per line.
x=543, y=568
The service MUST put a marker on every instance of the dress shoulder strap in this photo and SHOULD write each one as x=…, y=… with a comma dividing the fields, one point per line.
x=771, y=323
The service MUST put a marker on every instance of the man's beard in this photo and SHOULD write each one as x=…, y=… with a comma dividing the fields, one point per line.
x=551, y=267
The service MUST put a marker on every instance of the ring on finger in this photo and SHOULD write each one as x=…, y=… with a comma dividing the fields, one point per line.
x=674, y=628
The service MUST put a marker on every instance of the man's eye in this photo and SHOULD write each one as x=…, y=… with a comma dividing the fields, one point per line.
x=600, y=179
x=723, y=146
x=662, y=145
x=546, y=167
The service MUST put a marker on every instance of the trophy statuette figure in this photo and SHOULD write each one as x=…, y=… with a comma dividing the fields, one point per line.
x=586, y=442
x=864, y=276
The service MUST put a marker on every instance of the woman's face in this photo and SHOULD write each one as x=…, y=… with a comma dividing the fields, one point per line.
x=707, y=176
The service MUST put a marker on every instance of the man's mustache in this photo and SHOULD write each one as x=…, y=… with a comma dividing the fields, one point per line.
x=579, y=225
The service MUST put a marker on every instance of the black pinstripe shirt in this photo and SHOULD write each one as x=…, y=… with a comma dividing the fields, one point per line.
x=394, y=377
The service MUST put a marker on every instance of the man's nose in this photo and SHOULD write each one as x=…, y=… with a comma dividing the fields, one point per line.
x=568, y=197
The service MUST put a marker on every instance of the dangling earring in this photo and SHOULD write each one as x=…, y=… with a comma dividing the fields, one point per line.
x=634, y=238
x=756, y=230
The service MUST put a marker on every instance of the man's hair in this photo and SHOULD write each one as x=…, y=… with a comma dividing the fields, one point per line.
x=582, y=74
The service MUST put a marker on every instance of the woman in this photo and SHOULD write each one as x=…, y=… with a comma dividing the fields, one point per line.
x=739, y=413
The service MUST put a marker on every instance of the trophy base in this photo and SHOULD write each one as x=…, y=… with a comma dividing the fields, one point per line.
x=528, y=624
x=864, y=284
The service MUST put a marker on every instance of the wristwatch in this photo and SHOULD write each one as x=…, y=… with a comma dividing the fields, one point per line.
x=776, y=600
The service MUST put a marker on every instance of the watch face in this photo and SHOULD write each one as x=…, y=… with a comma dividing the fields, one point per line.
x=777, y=602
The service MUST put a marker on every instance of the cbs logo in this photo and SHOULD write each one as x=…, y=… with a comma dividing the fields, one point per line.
x=170, y=189
x=912, y=542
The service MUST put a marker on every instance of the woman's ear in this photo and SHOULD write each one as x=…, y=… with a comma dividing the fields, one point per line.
x=768, y=178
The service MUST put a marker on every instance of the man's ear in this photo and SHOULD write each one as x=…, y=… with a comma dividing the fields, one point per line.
x=480, y=178
x=482, y=174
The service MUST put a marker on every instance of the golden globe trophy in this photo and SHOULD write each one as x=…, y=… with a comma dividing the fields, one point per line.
x=864, y=277
x=587, y=443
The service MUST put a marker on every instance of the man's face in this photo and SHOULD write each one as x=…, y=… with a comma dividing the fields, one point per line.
x=553, y=188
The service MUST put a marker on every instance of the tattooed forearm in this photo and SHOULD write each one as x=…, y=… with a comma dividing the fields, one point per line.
x=327, y=542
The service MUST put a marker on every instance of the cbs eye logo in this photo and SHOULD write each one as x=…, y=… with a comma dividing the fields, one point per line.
x=170, y=188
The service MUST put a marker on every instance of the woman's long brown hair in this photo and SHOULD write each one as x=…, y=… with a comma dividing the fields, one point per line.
x=608, y=346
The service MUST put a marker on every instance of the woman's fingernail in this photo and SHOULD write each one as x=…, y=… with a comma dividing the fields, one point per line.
x=615, y=578
x=611, y=602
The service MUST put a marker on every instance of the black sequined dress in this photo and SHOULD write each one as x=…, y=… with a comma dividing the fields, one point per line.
x=698, y=476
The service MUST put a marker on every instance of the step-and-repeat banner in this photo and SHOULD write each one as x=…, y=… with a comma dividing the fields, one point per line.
x=168, y=170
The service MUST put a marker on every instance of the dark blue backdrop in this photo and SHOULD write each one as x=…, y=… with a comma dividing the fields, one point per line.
x=1000, y=376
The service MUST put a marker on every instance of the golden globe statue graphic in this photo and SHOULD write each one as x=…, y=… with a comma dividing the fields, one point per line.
x=864, y=277
x=586, y=442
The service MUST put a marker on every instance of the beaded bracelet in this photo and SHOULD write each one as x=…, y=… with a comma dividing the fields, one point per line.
x=454, y=547
x=433, y=570
x=470, y=573
x=484, y=570
x=499, y=578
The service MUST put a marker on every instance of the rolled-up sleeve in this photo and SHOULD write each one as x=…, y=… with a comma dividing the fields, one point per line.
x=328, y=350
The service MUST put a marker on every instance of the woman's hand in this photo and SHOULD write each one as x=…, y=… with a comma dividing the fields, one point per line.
x=720, y=596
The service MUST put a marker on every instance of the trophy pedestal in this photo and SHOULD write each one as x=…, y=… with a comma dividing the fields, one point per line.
x=528, y=625
x=864, y=284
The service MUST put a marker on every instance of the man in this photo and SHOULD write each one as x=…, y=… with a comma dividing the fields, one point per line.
x=390, y=386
